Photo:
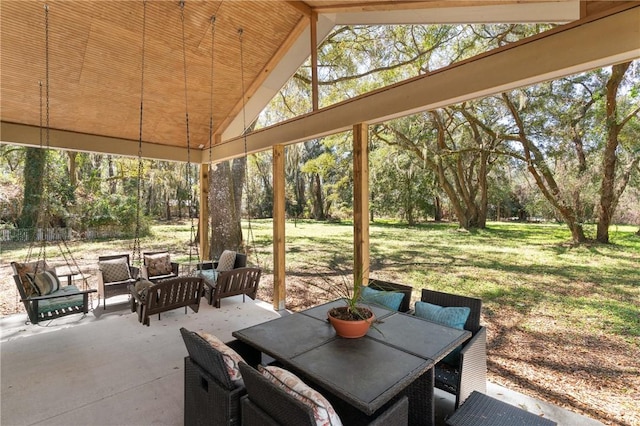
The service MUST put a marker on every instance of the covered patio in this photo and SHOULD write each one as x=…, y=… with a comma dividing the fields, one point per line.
x=107, y=369
x=99, y=78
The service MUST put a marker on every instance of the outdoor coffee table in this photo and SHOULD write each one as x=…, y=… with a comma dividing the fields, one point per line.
x=395, y=358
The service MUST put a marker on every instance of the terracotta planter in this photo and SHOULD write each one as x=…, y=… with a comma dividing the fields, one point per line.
x=351, y=329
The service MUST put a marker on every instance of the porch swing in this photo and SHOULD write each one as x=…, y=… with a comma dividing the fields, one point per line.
x=229, y=275
x=43, y=294
x=166, y=290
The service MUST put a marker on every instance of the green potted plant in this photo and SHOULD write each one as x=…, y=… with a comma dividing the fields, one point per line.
x=354, y=318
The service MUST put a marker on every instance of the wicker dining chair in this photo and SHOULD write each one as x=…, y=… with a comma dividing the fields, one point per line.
x=267, y=404
x=470, y=373
x=210, y=396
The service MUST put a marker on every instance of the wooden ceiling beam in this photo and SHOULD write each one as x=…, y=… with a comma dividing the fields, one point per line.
x=22, y=134
x=301, y=6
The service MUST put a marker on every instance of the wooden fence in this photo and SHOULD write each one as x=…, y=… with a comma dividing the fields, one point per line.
x=58, y=234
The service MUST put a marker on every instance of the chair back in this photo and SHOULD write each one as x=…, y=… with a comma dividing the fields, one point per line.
x=206, y=357
x=405, y=305
x=273, y=400
x=451, y=300
x=113, y=257
x=241, y=260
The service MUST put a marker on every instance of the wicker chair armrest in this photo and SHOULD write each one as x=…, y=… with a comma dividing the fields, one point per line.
x=473, y=366
x=56, y=296
x=396, y=415
x=100, y=278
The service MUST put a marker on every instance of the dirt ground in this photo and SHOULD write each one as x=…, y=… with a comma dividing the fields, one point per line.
x=596, y=377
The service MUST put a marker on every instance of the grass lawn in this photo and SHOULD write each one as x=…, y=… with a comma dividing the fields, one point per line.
x=563, y=322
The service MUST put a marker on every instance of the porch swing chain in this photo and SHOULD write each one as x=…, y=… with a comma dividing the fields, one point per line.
x=137, y=255
x=213, y=33
x=250, y=238
x=69, y=260
x=192, y=236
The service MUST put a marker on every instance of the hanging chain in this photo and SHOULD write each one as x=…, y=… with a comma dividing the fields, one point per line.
x=213, y=34
x=250, y=238
x=209, y=235
x=192, y=236
x=45, y=187
x=137, y=255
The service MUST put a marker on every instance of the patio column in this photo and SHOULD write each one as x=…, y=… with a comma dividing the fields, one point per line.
x=361, y=202
x=279, y=287
x=203, y=216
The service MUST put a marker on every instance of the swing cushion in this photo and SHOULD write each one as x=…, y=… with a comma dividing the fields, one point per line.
x=21, y=269
x=61, y=303
x=226, y=261
x=141, y=287
x=45, y=282
x=115, y=270
x=158, y=264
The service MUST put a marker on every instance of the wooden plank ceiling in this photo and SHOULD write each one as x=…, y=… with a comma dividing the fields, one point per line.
x=95, y=56
x=95, y=61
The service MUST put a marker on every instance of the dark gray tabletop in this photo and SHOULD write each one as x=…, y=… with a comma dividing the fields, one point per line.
x=418, y=336
x=366, y=372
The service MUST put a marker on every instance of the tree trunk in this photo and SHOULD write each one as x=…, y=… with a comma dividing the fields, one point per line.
x=34, y=168
x=225, y=202
x=437, y=204
x=112, y=181
x=73, y=174
x=608, y=196
x=316, y=193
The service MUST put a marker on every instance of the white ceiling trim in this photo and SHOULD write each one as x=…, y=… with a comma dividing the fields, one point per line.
x=559, y=12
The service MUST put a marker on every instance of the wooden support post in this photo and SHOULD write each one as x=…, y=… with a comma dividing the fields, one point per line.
x=361, y=202
x=279, y=286
x=313, y=28
x=203, y=217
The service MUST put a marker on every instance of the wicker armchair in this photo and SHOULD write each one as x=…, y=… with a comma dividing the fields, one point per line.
x=471, y=372
x=405, y=305
x=210, y=397
x=268, y=404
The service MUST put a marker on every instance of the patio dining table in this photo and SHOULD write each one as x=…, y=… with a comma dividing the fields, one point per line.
x=395, y=358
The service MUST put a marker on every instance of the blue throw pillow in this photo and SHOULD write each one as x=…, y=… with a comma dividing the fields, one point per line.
x=454, y=316
x=388, y=299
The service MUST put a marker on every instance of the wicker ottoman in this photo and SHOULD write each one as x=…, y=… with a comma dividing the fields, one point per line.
x=482, y=410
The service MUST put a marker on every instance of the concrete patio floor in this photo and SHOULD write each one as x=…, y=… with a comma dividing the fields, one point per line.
x=108, y=369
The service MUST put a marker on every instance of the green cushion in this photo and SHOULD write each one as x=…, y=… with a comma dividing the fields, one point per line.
x=454, y=316
x=62, y=302
x=388, y=299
